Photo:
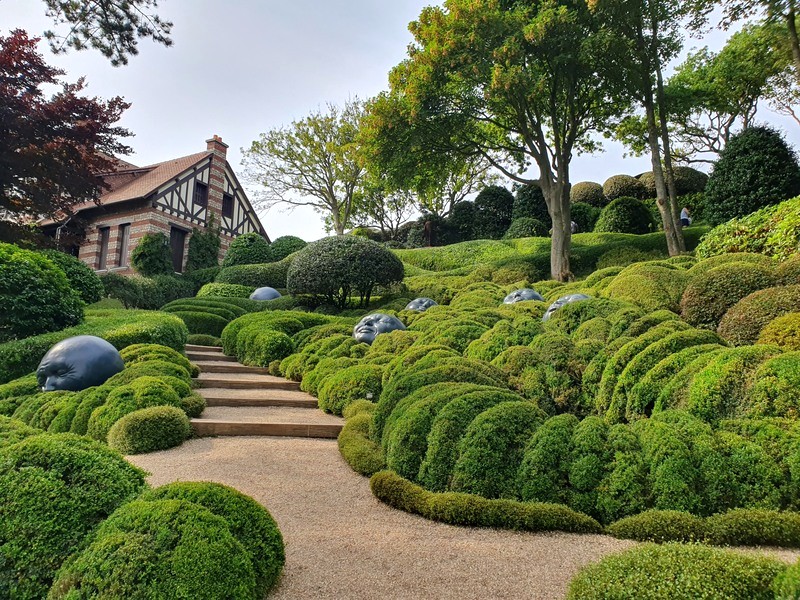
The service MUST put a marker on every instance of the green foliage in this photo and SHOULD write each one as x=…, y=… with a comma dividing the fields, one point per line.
x=774, y=390
x=529, y=202
x=225, y=290
x=202, y=322
x=14, y=430
x=620, y=186
x=468, y=510
x=783, y=332
x=687, y=181
x=660, y=526
x=259, y=346
x=147, y=293
x=256, y=275
x=789, y=270
x=756, y=168
x=743, y=322
x=54, y=489
x=35, y=295
x=708, y=296
x=204, y=247
x=149, y=430
x=588, y=192
x=525, y=227
x=626, y=255
x=754, y=527
x=543, y=473
x=159, y=549
x=80, y=277
x=652, y=286
x=248, y=249
x=625, y=214
x=585, y=215
x=285, y=245
x=493, y=212
x=362, y=454
x=351, y=384
x=151, y=256
x=136, y=353
x=249, y=522
x=201, y=339
x=334, y=268
x=787, y=584
x=679, y=572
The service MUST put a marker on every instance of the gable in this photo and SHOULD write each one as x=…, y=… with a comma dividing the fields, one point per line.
x=242, y=218
x=177, y=197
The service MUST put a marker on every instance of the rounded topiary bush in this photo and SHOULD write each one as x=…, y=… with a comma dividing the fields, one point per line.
x=159, y=549
x=789, y=270
x=285, y=245
x=225, y=290
x=525, y=227
x=150, y=429
x=201, y=321
x=584, y=215
x=248, y=249
x=256, y=275
x=783, y=332
x=493, y=212
x=54, y=489
x=625, y=214
x=137, y=353
x=266, y=346
x=249, y=522
x=35, y=295
x=201, y=339
x=151, y=256
x=14, y=430
x=659, y=526
x=529, y=202
x=349, y=385
x=80, y=277
x=687, y=181
x=757, y=168
x=708, y=296
x=743, y=322
x=588, y=192
x=678, y=572
x=335, y=268
x=620, y=186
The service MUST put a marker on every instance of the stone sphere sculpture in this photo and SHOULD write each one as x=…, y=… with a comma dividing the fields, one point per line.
x=265, y=293
x=372, y=325
x=563, y=301
x=522, y=295
x=78, y=363
x=420, y=304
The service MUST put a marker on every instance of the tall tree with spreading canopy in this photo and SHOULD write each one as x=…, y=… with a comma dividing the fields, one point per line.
x=518, y=79
x=51, y=149
x=312, y=162
x=111, y=26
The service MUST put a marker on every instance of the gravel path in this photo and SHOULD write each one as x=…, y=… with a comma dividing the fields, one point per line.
x=342, y=543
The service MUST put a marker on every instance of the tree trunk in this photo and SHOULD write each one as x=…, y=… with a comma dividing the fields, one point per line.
x=556, y=196
x=791, y=25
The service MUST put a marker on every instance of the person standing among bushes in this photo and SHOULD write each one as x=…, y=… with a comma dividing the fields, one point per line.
x=686, y=220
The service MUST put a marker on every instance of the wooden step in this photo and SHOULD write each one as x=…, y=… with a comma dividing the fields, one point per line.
x=244, y=381
x=249, y=397
x=198, y=348
x=209, y=427
x=221, y=366
x=209, y=356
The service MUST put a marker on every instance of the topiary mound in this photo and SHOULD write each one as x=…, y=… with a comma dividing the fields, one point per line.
x=285, y=245
x=525, y=227
x=225, y=290
x=589, y=192
x=349, y=385
x=35, y=295
x=54, y=489
x=248, y=249
x=151, y=256
x=783, y=332
x=625, y=214
x=80, y=277
x=652, y=286
x=493, y=212
x=757, y=168
x=743, y=322
x=678, y=572
x=255, y=275
x=150, y=429
x=14, y=430
x=619, y=186
x=333, y=268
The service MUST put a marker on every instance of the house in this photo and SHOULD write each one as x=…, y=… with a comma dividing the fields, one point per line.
x=170, y=197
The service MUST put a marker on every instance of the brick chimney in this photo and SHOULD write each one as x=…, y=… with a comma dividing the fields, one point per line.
x=217, y=146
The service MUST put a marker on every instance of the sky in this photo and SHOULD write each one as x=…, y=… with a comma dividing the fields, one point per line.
x=239, y=68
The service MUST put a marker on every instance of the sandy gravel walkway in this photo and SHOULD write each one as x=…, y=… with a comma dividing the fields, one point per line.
x=342, y=543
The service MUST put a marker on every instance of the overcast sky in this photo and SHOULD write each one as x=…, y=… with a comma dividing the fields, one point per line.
x=242, y=67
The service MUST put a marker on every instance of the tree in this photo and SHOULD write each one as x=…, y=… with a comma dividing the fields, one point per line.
x=521, y=80
x=111, y=26
x=51, y=149
x=383, y=208
x=713, y=95
x=312, y=162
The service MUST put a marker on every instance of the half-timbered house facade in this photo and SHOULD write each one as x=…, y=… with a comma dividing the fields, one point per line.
x=171, y=197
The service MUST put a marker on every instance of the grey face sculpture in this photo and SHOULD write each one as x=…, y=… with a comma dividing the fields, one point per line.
x=77, y=363
x=420, y=304
x=522, y=295
x=564, y=300
x=265, y=293
x=370, y=326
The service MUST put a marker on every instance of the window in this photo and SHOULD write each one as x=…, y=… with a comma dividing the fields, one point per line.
x=227, y=205
x=177, y=242
x=123, y=237
x=104, y=234
x=200, y=194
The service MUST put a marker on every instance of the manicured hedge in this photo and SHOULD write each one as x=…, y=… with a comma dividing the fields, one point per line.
x=625, y=215
x=588, y=192
x=783, y=332
x=14, y=430
x=256, y=275
x=348, y=385
x=248, y=249
x=149, y=429
x=362, y=454
x=652, y=286
x=225, y=290
x=743, y=322
x=80, y=277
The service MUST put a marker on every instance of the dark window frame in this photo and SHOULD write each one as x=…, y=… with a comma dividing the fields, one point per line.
x=105, y=235
x=123, y=243
x=200, y=197
x=227, y=205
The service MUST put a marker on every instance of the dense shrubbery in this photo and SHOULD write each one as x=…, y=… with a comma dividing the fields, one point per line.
x=248, y=249
x=225, y=290
x=256, y=275
x=619, y=186
x=285, y=245
x=149, y=430
x=334, y=268
x=756, y=168
x=80, y=277
x=493, y=212
x=203, y=252
x=151, y=256
x=783, y=332
x=147, y=293
x=625, y=214
x=584, y=215
x=35, y=295
x=743, y=322
x=525, y=227
x=588, y=192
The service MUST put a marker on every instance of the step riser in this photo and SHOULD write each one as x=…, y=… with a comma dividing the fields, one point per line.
x=203, y=428
x=242, y=402
x=248, y=385
x=196, y=348
x=201, y=356
x=232, y=368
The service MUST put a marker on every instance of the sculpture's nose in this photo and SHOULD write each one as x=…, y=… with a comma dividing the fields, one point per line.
x=49, y=385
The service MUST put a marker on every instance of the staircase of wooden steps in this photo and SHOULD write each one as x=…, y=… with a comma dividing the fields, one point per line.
x=244, y=400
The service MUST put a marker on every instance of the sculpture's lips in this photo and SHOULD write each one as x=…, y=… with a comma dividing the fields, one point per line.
x=365, y=329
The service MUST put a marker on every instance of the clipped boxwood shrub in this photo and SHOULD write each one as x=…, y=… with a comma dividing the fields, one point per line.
x=137, y=353
x=543, y=473
x=80, y=277
x=525, y=227
x=756, y=168
x=660, y=526
x=14, y=430
x=754, y=527
x=151, y=256
x=783, y=332
x=285, y=245
x=202, y=322
x=708, y=296
x=201, y=339
x=619, y=186
x=249, y=522
x=35, y=295
x=159, y=549
x=263, y=346
x=248, y=249
x=588, y=192
x=225, y=290
x=743, y=322
x=362, y=454
x=256, y=275
x=149, y=429
x=54, y=489
x=652, y=286
x=678, y=572
x=625, y=215
x=351, y=384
